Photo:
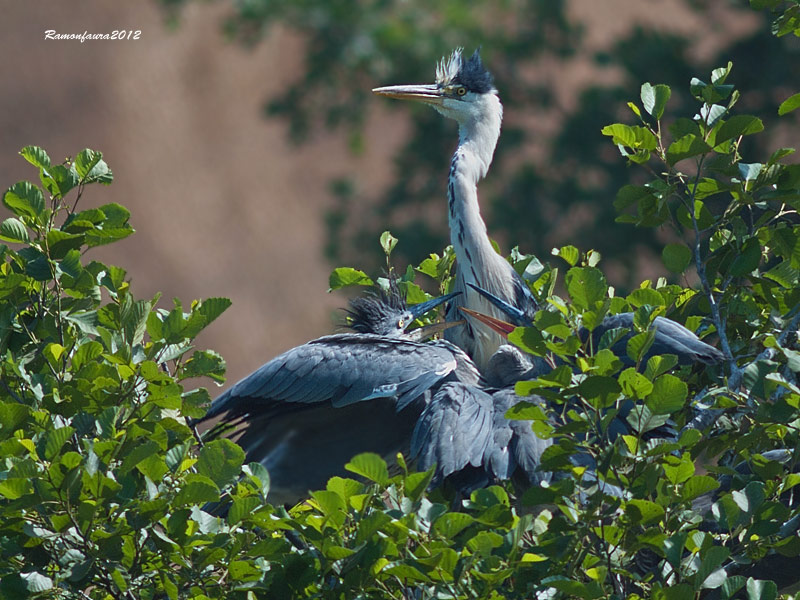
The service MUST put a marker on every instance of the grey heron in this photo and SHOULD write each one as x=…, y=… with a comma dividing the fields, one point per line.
x=670, y=337
x=307, y=412
x=464, y=432
x=464, y=91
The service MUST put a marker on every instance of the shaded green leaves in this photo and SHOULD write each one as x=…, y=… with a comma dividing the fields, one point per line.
x=686, y=147
x=221, y=461
x=738, y=125
x=24, y=199
x=14, y=230
x=676, y=257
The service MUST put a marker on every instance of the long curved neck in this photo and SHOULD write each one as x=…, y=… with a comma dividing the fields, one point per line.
x=477, y=141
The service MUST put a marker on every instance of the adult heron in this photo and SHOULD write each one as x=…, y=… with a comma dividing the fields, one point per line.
x=307, y=412
x=464, y=91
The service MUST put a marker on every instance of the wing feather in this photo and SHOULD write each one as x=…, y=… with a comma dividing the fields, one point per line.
x=340, y=369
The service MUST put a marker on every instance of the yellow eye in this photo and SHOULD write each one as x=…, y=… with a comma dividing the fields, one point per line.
x=400, y=324
x=461, y=91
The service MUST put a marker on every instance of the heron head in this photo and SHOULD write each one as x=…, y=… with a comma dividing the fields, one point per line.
x=463, y=89
x=387, y=314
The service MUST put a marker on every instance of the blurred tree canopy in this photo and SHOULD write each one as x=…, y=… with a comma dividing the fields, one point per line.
x=553, y=178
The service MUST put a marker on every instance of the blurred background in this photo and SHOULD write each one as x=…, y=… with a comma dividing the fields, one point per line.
x=245, y=141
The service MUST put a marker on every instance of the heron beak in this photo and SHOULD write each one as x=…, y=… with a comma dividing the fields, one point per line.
x=515, y=314
x=423, y=307
x=498, y=325
x=429, y=94
x=426, y=331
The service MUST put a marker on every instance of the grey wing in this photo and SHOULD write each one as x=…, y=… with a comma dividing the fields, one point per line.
x=515, y=446
x=674, y=338
x=671, y=338
x=453, y=430
x=340, y=369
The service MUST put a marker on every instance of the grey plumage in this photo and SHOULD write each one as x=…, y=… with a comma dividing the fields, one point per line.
x=465, y=433
x=670, y=338
x=307, y=412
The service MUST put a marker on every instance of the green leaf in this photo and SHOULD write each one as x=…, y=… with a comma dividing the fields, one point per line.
x=85, y=161
x=528, y=339
x=601, y=391
x=345, y=276
x=758, y=589
x=586, y=285
x=56, y=440
x=635, y=385
x=697, y=486
x=678, y=470
x=451, y=524
x=569, y=254
x=749, y=171
x=388, y=242
x=59, y=180
x=137, y=454
x=370, y=466
x=643, y=511
x=36, y=156
x=60, y=242
x=655, y=98
x=634, y=137
x=14, y=230
x=790, y=104
x=36, y=582
x=205, y=363
x=24, y=199
x=668, y=395
x=686, y=147
x=748, y=258
x=639, y=344
x=710, y=575
x=197, y=489
x=676, y=257
x=738, y=125
x=221, y=461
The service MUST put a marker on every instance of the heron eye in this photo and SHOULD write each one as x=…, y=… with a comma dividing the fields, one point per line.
x=461, y=91
x=400, y=324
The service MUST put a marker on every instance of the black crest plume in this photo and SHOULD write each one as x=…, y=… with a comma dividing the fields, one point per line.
x=367, y=313
x=473, y=75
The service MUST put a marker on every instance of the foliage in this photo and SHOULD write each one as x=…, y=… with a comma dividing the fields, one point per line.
x=548, y=175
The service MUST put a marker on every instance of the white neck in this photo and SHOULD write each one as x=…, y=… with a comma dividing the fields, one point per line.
x=478, y=130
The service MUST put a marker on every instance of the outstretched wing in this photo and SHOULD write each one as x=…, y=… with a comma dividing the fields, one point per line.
x=337, y=369
x=453, y=431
